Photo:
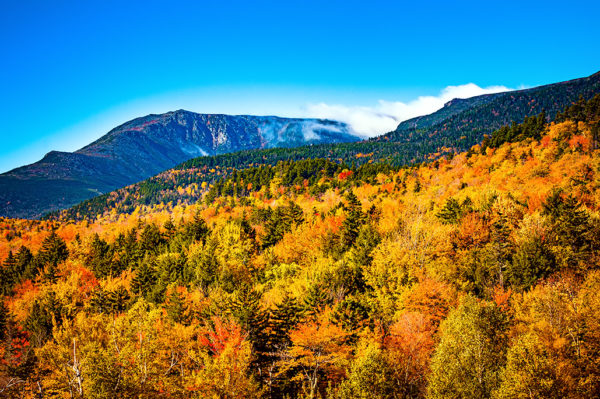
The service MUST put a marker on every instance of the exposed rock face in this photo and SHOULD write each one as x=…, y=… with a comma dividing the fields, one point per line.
x=146, y=146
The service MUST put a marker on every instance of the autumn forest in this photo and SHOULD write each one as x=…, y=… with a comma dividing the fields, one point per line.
x=471, y=275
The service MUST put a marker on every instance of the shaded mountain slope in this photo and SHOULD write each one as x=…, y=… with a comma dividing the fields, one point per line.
x=463, y=122
x=146, y=146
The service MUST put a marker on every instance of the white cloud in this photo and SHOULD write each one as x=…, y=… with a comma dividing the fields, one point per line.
x=386, y=115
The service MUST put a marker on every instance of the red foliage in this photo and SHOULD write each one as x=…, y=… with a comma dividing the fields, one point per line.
x=224, y=333
x=344, y=174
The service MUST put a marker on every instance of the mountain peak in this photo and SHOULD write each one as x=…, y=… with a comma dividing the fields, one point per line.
x=145, y=146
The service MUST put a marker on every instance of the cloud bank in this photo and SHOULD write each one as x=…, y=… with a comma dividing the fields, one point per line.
x=386, y=115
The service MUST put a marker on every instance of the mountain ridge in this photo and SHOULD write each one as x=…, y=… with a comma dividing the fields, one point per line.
x=87, y=172
x=145, y=146
x=475, y=116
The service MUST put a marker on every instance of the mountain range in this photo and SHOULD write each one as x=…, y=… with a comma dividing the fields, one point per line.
x=146, y=146
x=463, y=122
x=152, y=144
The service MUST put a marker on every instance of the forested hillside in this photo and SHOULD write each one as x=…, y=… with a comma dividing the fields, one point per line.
x=152, y=144
x=456, y=127
x=463, y=122
x=143, y=147
x=472, y=276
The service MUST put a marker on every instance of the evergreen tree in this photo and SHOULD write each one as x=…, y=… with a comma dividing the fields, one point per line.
x=44, y=314
x=170, y=229
x=451, y=213
x=368, y=238
x=281, y=221
x=571, y=233
x=26, y=267
x=176, y=307
x=205, y=265
x=171, y=268
x=196, y=229
x=118, y=300
x=353, y=222
x=99, y=258
x=54, y=250
x=145, y=279
x=4, y=318
x=99, y=301
x=151, y=239
x=8, y=274
x=316, y=298
x=246, y=308
x=283, y=318
x=532, y=261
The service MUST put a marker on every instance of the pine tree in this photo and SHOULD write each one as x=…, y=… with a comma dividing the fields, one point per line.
x=170, y=229
x=8, y=275
x=145, y=279
x=99, y=258
x=126, y=249
x=99, y=301
x=316, y=298
x=54, y=250
x=360, y=254
x=571, y=232
x=42, y=317
x=26, y=267
x=354, y=219
x=177, y=308
x=451, y=213
x=118, y=300
x=283, y=319
x=4, y=318
x=246, y=308
x=196, y=229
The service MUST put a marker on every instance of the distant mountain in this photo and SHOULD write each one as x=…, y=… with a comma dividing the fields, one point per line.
x=146, y=146
x=459, y=125
x=149, y=145
x=462, y=123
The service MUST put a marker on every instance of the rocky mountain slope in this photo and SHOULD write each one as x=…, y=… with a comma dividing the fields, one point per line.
x=146, y=146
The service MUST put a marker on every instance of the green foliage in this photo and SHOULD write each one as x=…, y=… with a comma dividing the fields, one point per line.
x=196, y=229
x=54, y=250
x=351, y=225
x=115, y=301
x=352, y=313
x=582, y=111
x=360, y=254
x=471, y=353
x=4, y=318
x=533, y=261
x=44, y=314
x=8, y=274
x=151, y=239
x=377, y=284
x=531, y=127
x=145, y=279
x=371, y=377
x=99, y=258
x=453, y=211
x=281, y=221
x=316, y=298
x=176, y=308
x=463, y=123
x=284, y=317
x=572, y=232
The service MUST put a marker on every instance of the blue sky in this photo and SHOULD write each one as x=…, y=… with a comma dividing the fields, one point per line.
x=71, y=70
